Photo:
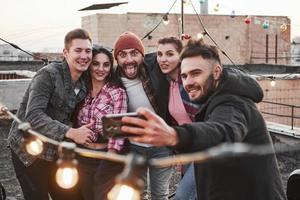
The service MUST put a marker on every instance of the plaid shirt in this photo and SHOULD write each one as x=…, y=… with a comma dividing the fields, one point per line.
x=47, y=105
x=109, y=100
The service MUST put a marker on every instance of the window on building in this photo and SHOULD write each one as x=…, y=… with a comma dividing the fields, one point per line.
x=6, y=52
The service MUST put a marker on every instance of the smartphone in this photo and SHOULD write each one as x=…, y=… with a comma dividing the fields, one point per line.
x=112, y=125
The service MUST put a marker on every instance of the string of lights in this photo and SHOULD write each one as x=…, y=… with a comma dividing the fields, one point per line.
x=163, y=19
x=265, y=21
x=129, y=183
x=210, y=37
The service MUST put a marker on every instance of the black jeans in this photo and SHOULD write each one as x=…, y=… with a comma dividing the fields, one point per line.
x=87, y=170
x=104, y=179
x=38, y=181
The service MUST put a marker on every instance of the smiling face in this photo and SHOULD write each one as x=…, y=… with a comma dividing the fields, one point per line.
x=200, y=77
x=168, y=58
x=78, y=55
x=129, y=61
x=100, y=68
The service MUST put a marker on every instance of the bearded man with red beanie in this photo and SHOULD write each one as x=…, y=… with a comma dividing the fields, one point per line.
x=145, y=86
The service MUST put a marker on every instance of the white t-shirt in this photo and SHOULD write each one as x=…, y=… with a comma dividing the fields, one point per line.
x=136, y=98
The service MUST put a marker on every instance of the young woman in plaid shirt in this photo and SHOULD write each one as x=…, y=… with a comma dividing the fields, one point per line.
x=105, y=96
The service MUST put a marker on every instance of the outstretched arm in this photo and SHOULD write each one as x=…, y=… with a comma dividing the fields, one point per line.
x=152, y=130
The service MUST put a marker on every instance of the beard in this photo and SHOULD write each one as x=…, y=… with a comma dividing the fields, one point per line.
x=209, y=87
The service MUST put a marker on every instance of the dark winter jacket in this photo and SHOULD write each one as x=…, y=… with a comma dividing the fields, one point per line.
x=230, y=115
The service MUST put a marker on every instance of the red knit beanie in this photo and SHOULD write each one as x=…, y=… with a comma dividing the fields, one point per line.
x=128, y=40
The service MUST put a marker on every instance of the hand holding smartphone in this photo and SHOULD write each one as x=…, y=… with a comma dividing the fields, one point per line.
x=112, y=124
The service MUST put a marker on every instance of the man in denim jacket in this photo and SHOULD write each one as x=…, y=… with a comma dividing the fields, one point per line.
x=47, y=105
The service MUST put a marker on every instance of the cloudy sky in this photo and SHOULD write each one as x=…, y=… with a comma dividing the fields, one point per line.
x=38, y=25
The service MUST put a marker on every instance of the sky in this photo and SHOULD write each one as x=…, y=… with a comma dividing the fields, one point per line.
x=40, y=25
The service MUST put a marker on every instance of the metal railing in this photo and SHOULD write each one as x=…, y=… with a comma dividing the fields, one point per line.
x=292, y=114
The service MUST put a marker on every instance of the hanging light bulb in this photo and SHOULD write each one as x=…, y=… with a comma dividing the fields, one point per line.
x=67, y=177
x=247, y=20
x=186, y=2
x=124, y=192
x=232, y=14
x=273, y=82
x=128, y=183
x=34, y=146
x=166, y=19
x=217, y=7
x=67, y=174
x=283, y=27
x=266, y=24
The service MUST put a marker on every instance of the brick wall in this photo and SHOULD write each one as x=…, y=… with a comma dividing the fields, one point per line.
x=243, y=43
x=286, y=91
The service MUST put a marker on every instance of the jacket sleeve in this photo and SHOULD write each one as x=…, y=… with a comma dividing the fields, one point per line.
x=40, y=92
x=226, y=123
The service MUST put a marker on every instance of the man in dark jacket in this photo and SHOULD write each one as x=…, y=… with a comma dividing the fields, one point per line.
x=228, y=114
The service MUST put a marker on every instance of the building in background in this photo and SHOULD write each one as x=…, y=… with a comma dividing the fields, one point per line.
x=246, y=39
x=9, y=53
x=295, y=49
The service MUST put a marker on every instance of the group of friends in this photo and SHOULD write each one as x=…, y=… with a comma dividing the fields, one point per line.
x=189, y=103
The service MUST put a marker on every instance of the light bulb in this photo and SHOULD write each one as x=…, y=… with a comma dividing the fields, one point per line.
x=247, y=20
x=273, y=83
x=67, y=177
x=283, y=27
x=123, y=192
x=166, y=19
x=34, y=147
x=166, y=22
x=232, y=14
x=217, y=8
x=266, y=24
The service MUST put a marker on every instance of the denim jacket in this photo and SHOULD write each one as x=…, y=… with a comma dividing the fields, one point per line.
x=47, y=105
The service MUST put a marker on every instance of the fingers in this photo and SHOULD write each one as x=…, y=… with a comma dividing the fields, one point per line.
x=134, y=121
x=151, y=118
x=185, y=36
x=2, y=108
x=149, y=115
x=133, y=130
x=84, y=137
x=87, y=140
x=143, y=139
x=147, y=139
